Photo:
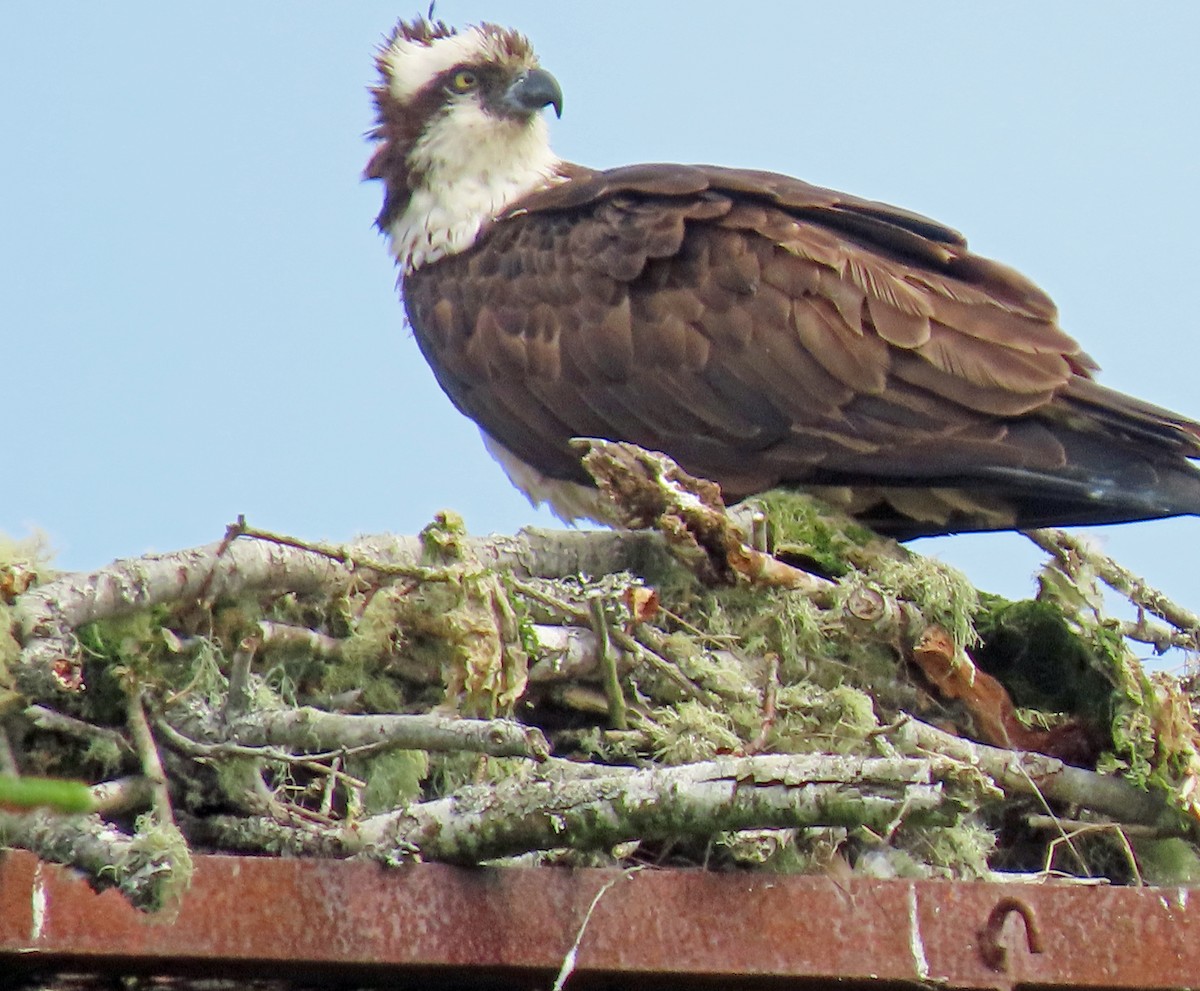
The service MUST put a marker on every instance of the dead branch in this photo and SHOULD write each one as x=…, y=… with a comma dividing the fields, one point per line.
x=129, y=794
x=147, y=751
x=569, y=653
x=588, y=807
x=648, y=489
x=58, y=722
x=1071, y=551
x=294, y=837
x=145, y=869
x=519, y=815
x=284, y=636
x=308, y=730
x=1023, y=773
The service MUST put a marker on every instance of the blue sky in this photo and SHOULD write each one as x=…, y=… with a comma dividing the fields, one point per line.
x=197, y=319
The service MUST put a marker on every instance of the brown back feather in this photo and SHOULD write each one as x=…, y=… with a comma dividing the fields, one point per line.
x=763, y=331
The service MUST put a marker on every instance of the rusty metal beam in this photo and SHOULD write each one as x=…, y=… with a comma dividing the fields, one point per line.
x=486, y=926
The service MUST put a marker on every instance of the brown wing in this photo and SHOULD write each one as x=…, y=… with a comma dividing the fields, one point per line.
x=764, y=332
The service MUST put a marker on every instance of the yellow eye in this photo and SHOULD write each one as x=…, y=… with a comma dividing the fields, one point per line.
x=464, y=81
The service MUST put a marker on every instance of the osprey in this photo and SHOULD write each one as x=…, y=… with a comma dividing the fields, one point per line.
x=761, y=331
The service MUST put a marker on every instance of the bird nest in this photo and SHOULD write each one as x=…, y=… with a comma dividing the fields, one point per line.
x=808, y=698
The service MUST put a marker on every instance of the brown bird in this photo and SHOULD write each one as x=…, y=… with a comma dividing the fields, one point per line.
x=761, y=331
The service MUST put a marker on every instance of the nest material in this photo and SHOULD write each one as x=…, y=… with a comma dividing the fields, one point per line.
x=676, y=695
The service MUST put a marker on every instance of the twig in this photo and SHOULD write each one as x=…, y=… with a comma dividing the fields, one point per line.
x=144, y=869
x=334, y=552
x=57, y=722
x=608, y=666
x=259, y=833
x=1025, y=773
x=284, y=636
x=557, y=604
x=1064, y=546
x=8, y=760
x=569, y=653
x=658, y=654
x=646, y=647
x=121, y=795
x=147, y=751
x=238, y=696
x=648, y=489
x=306, y=727
x=1161, y=638
x=1056, y=824
x=335, y=770
x=1068, y=836
x=591, y=701
x=572, y=955
x=341, y=553
x=770, y=693
x=309, y=762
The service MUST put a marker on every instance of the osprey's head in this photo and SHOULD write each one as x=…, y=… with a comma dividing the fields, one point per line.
x=460, y=131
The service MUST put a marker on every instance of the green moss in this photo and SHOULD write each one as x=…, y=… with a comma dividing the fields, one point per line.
x=691, y=732
x=158, y=869
x=450, y=772
x=766, y=849
x=961, y=850
x=941, y=594
x=444, y=540
x=240, y=780
x=114, y=650
x=457, y=627
x=807, y=530
x=1171, y=861
x=757, y=621
x=811, y=719
x=375, y=648
x=1061, y=653
x=393, y=778
x=1041, y=660
x=104, y=755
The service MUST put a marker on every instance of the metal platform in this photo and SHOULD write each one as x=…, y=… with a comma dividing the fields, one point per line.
x=427, y=924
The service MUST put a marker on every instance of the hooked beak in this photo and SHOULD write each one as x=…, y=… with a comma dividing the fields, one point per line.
x=532, y=91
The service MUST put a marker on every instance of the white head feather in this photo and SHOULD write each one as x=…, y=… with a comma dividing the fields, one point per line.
x=470, y=165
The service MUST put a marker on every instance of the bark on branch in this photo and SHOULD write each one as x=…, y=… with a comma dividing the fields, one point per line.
x=1024, y=773
x=309, y=730
x=517, y=816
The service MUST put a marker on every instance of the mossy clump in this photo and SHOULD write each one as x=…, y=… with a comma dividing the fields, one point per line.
x=810, y=719
x=23, y=565
x=691, y=731
x=140, y=647
x=806, y=530
x=943, y=595
x=394, y=778
x=1149, y=721
x=157, y=870
x=1043, y=662
x=376, y=647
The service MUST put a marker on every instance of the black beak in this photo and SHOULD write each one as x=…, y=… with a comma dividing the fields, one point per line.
x=533, y=90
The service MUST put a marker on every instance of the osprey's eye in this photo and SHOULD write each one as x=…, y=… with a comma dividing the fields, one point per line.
x=464, y=81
